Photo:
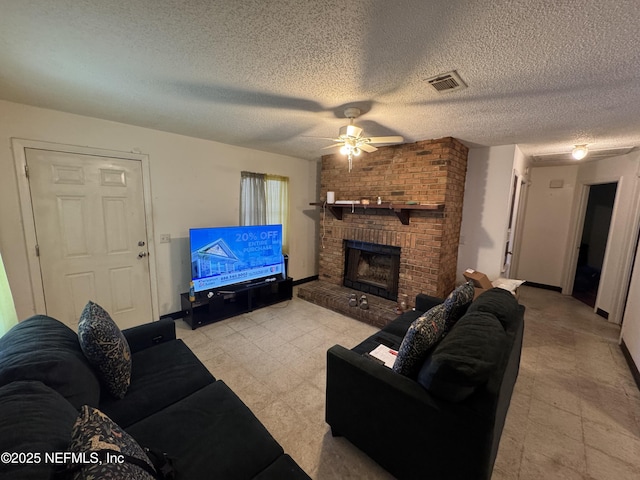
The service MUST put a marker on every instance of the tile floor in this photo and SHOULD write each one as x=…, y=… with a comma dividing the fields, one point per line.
x=575, y=411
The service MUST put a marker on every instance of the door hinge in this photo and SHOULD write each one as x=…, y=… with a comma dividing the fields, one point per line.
x=37, y=250
x=26, y=170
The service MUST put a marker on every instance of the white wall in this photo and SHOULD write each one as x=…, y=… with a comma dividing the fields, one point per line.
x=194, y=183
x=631, y=324
x=545, y=230
x=551, y=226
x=485, y=213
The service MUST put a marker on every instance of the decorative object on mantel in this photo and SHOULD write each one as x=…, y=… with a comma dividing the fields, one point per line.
x=402, y=210
x=331, y=197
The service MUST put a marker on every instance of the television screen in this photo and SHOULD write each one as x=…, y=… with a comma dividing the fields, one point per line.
x=222, y=256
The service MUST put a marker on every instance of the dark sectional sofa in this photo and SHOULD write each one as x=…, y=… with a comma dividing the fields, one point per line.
x=173, y=405
x=446, y=421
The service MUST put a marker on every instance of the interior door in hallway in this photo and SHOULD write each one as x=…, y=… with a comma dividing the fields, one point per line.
x=593, y=244
x=90, y=227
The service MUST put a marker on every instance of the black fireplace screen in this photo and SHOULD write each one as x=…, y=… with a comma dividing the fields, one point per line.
x=372, y=268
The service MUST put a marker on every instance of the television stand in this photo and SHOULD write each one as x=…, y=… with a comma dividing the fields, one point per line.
x=233, y=300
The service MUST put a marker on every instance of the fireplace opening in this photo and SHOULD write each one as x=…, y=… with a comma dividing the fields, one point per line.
x=372, y=268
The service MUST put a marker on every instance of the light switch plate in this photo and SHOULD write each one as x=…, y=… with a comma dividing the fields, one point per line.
x=165, y=238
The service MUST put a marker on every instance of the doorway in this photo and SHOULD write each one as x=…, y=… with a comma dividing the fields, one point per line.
x=87, y=220
x=593, y=242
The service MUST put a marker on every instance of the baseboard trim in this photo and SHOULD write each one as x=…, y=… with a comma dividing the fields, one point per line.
x=305, y=280
x=543, y=286
x=632, y=366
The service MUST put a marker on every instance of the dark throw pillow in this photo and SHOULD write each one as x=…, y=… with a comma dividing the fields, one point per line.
x=456, y=304
x=423, y=334
x=106, y=348
x=94, y=433
x=465, y=358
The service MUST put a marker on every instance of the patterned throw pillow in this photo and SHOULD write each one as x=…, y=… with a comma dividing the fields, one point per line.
x=94, y=432
x=457, y=303
x=106, y=348
x=423, y=334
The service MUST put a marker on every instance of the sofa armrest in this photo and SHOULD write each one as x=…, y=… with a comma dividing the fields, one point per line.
x=394, y=420
x=426, y=302
x=150, y=334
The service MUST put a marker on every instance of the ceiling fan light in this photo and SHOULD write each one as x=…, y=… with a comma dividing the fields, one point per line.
x=356, y=152
x=344, y=150
x=579, y=152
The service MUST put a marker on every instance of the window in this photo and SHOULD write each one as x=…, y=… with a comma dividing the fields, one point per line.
x=264, y=200
x=8, y=317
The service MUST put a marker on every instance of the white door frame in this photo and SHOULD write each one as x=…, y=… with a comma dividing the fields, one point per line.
x=18, y=146
x=578, y=219
x=509, y=267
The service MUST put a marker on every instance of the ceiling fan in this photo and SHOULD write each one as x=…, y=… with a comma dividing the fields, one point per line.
x=352, y=142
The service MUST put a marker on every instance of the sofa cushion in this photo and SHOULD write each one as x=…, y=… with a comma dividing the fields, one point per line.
x=498, y=302
x=456, y=304
x=401, y=324
x=423, y=334
x=106, y=348
x=44, y=349
x=465, y=358
x=380, y=338
x=160, y=376
x=36, y=419
x=94, y=432
x=209, y=434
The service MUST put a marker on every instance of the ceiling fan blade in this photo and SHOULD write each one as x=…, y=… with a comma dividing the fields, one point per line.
x=321, y=138
x=333, y=146
x=389, y=139
x=367, y=148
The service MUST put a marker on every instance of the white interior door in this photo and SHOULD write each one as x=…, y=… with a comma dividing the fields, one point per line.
x=91, y=233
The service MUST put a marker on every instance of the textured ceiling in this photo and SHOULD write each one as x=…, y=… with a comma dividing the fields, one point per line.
x=542, y=74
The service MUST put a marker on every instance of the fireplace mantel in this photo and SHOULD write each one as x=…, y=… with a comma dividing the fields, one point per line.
x=403, y=211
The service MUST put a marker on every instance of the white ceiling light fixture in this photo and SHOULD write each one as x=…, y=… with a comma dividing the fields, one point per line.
x=351, y=141
x=579, y=152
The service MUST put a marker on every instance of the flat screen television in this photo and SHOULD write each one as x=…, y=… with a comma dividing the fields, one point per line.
x=224, y=256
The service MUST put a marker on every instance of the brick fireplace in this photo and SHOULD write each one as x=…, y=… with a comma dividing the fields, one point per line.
x=427, y=172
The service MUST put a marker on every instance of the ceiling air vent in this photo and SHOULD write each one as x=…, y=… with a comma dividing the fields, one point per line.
x=446, y=82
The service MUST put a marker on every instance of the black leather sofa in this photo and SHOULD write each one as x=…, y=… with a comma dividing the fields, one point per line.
x=446, y=422
x=173, y=405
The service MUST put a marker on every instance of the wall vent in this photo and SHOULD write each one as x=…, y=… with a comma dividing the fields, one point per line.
x=446, y=82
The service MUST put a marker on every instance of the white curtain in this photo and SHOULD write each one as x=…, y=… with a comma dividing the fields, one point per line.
x=277, y=197
x=8, y=317
x=264, y=200
x=253, y=205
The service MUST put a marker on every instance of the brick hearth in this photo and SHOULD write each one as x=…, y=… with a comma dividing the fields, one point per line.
x=426, y=172
x=334, y=297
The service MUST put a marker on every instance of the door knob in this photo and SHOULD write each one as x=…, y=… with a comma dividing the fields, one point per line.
x=142, y=254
